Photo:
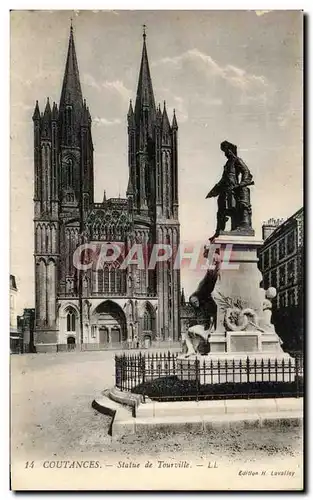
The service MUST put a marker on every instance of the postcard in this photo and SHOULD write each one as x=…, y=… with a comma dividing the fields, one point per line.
x=156, y=281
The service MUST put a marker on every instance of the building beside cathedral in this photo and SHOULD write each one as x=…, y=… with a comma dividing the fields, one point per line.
x=108, y=306
x=281, y=261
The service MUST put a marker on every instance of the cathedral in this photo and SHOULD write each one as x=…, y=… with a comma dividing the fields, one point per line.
x=107, y=306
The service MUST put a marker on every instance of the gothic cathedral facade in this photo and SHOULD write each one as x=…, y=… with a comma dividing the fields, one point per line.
x=107, y=305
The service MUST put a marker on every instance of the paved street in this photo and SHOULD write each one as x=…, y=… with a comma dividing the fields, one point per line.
x=51, y=400
x=52, y=416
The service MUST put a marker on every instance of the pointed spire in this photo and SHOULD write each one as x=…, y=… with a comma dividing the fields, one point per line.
x=71, y=102
x=55, y=112
x=130, y=190
x=71, y=89
x=104, y=196
x=159, y=116
x=130, y=115
x=46, y=121
x=36, y=115
x=89, y=115
x=145, y=97
x=130, y=109
x=165, y=121
x=174, y=122
x=85, y=115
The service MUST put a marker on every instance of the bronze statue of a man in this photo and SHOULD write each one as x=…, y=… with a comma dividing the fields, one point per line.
x=233, y=193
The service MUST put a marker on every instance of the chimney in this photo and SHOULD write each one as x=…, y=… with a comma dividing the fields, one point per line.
x=269, y=227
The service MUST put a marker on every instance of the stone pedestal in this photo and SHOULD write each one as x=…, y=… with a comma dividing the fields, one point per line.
x=239, y=279
x=249, y=350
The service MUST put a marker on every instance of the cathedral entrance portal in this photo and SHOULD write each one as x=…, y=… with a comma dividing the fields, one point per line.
x=104, y=335
x=111, y=322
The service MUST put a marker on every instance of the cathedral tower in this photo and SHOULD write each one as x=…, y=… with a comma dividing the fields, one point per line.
x=63, y=161
x=152, y=153
x=46, y=220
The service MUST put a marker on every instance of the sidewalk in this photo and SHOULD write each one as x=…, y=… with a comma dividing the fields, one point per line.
x=202, y=415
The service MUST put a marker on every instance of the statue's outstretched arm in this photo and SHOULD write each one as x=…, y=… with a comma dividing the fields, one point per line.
x=215, y=191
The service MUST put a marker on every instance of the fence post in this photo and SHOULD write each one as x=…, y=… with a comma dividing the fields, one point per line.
x=248, y=374
x=197, y=366
x=143, y=367
x=297, y=375
x=116, y=371
x=126, y=364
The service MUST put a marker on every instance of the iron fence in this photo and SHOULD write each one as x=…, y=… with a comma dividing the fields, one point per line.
x=165, y=377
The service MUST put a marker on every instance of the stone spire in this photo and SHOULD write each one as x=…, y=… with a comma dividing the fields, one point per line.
x=55, y=112
x=130, y=190
x=145, y=96
x=36, y=115
x=174, y=121
x=130, y=115
x=46, y=121
x=71, y=102
x=159, y=116
x=165, y=121
x=71, y=89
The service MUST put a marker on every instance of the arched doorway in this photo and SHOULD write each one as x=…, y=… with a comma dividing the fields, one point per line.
x=111, y=322
x=148, y=324
x=71, y=342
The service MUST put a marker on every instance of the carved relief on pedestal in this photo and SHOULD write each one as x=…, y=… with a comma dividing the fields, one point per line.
x=238, y=317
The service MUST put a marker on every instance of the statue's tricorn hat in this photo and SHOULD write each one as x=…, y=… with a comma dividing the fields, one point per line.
x=225, y=145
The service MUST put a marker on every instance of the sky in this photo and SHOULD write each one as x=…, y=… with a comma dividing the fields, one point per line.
x=230, y=75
